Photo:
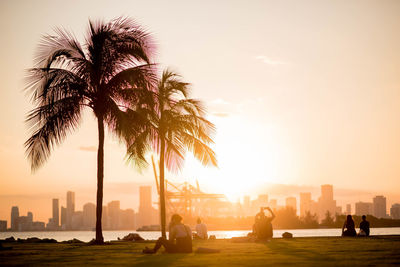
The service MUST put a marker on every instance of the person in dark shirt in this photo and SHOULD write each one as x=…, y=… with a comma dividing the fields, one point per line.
x=349, y=226
x=364, y=226
x=263, y=226
x=180, y=238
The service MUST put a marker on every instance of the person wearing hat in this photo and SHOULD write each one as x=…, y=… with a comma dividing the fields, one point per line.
x=180, y=238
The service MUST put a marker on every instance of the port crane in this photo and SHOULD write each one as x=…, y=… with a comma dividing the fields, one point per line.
x=184, y=198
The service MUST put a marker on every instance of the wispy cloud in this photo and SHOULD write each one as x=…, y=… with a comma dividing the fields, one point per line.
x=269, y=61
x=221, y=114
x=88, y=148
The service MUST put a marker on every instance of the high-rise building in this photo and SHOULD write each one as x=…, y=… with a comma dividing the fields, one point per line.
x=63, y=217
x=395, y=211
x=3, y=226
x=305, y=203
x=70, y=208
x=114, y=214
x=327, y=191
x=379, y=206
x=145, y=206
x=145, y=197
x=56, y=213
x=291, y=202
x=127, y=219
x=14, y=218
x=29, y=217
x=363, y=208
x=89, y=216
x=348, y=209
x=77, y=221
x=326, y=202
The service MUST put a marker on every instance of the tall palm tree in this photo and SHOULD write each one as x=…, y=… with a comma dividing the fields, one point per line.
x=107, y=75
x=180, y=125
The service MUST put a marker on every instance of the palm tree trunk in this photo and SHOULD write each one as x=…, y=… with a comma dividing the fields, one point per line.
x=100, y=177
x=162, y=191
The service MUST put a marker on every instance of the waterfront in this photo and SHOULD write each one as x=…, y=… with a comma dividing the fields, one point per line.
x=113, y=235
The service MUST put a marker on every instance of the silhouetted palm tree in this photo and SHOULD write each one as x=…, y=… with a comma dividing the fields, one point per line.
x=108, y=74
x=180, y=125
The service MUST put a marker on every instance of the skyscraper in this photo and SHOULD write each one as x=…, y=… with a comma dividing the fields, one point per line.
x=63, y=218
x=327, y=192
x=29, y=217
x=14, y=218
x=56, y=213
x=363, y=208
x=114, y=214
x=326, y=202
x=379, y=206
x=395, y=211
x=145, y=206
x=89, y=216
x=70, y=208
x=305, y=203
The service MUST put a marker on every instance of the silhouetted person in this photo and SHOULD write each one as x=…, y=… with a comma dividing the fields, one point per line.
x=180, y=238
x=364, y=226
x=262, y=225
x=201, y=230
x=349, y=226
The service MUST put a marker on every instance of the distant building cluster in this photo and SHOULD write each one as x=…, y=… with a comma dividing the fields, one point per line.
x=324, y=204
x=114, y=218
x=67, y=218
x=377, y=208
x=22, y=223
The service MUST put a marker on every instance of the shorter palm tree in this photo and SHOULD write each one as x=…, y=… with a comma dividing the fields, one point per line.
x=179, y=125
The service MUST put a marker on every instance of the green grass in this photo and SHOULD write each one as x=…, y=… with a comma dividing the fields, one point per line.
x=300, y=251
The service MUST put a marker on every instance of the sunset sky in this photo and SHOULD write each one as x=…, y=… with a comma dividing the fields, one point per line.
x=301, y=92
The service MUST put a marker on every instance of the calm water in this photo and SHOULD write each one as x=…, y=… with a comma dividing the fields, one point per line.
x=113, y=235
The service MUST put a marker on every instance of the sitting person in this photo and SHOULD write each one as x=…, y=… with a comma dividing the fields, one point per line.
x=263, y=226
x=201, y=230
x=349, y=226
x=364, y=227
x=180, y=238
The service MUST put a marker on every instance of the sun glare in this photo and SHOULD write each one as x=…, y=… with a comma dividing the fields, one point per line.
x=244, y=163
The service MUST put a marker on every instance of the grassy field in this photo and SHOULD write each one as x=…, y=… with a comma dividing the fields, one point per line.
x=300, y=251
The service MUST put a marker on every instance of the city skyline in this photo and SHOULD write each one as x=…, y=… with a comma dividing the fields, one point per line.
x=147, y=212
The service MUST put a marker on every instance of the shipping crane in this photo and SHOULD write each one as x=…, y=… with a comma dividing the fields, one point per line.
x=181, y=197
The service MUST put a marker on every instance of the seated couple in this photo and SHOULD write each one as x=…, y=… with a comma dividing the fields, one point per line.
x=350, y=227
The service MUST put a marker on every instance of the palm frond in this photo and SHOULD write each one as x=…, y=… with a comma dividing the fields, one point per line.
x=49, y=126
x=52, y=84
x=138, y=80
x=200, y=150
x=114, y=47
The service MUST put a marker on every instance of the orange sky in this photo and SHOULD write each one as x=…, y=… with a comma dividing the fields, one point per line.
x=302, y=92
